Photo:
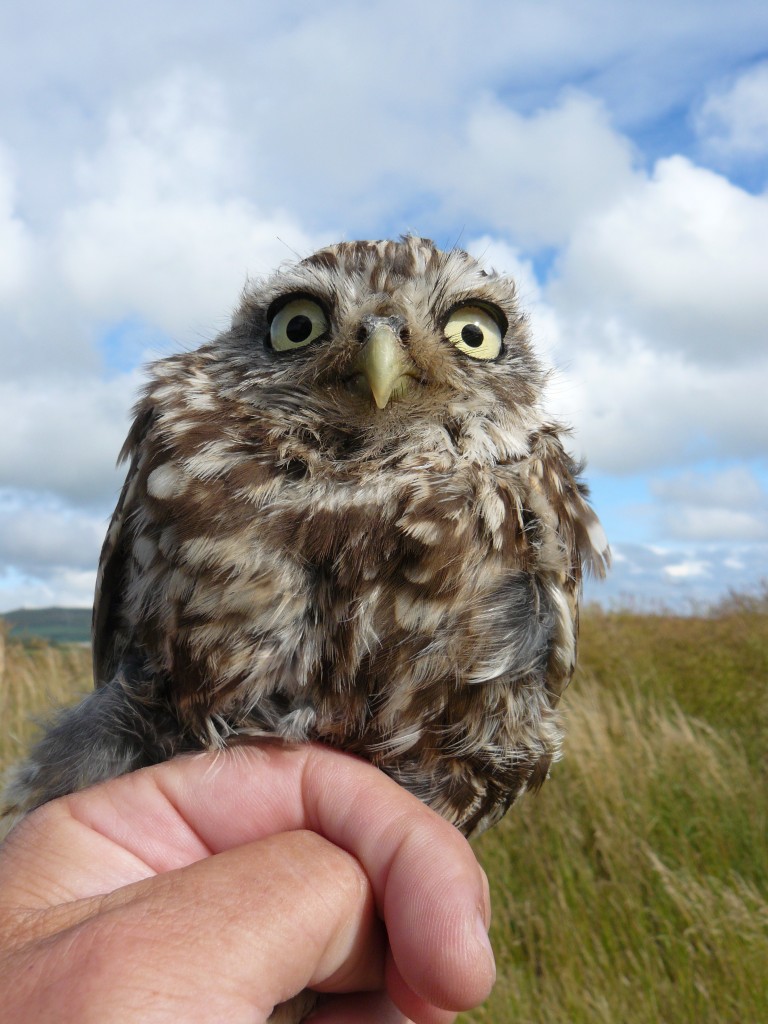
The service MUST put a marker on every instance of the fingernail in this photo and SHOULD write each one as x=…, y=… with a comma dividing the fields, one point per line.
x=486, y=908
x=485, y=942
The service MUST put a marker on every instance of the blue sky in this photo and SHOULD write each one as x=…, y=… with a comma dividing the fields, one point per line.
x=613, y=158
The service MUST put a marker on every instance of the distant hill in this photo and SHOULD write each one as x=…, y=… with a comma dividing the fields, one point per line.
x=57, y=625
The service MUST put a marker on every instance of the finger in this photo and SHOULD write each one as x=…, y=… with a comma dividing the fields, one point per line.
x=410, y=1003
x=287, y=912
x=429, y=888
x=427, y=883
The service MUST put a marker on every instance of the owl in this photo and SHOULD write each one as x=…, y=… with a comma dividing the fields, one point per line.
x=346, y=520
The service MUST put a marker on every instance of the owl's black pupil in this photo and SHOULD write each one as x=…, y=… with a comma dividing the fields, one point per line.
x=472, y=335
x=299, y=328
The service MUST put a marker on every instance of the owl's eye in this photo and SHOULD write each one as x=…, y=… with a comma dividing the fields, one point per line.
x=474, y=331
x=297, y=324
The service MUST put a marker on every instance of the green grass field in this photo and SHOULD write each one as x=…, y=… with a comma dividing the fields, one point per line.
x=634, y=888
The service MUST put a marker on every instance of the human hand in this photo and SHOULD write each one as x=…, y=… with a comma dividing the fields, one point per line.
x=212, y=887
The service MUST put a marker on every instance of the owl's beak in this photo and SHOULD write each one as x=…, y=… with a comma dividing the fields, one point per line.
x=384, y=364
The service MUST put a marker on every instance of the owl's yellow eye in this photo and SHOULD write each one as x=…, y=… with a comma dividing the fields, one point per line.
x=297, y=324
x=474, y=331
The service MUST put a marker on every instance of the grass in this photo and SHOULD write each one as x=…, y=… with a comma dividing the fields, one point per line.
x=634, y=887
x=35, y=677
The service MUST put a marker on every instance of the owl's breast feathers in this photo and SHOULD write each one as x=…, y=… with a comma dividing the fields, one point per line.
x=419, y=608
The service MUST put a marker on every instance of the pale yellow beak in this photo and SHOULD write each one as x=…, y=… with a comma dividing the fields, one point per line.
x=385, y=365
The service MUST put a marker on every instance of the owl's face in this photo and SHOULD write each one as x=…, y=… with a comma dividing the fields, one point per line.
x=373, y=339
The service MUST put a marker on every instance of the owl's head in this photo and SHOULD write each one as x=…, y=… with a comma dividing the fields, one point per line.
x=376, y=339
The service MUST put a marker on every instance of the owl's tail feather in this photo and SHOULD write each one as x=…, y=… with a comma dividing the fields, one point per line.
x=114, y=730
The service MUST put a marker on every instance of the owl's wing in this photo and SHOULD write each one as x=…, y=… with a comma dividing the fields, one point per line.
x=582, y=544
x=102, y=736
x=568, y=497
x=107, y=630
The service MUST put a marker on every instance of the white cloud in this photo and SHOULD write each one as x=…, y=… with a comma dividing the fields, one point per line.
x=726, y=504
x=634, y=405
x=732, y=488
x=145, y=173
x=161, y=231
x=66, y=435
x=733, y=121
x=535, y=178
x=734, y=563
x=657, y=321
x=680, y=577
x=62, y=587
x=15, y=242
x=498, y=255
x=637, y=409
x=656, y=318
x=340, y=70
x=681, y=259
x=707, y=524
x=182, y=265
x=687, y=570
x=44, y=537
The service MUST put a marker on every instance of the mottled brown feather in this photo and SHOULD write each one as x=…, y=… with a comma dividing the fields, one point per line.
x=288, y=560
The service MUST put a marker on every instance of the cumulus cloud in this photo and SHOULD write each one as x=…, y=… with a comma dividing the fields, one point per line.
x=699, y=506
x=64, y=436
x=39, y=538
x=634, y=403
x=161, y=230
x=654, y=316
x=731, y=488
x=688, y=569
x=680, y=257
x=158, y=173
x=682, y=578
x=536, y=177
x=636, y=408
x=15, y=241
x=733, y=120
x=48, y=552
x=59, y=587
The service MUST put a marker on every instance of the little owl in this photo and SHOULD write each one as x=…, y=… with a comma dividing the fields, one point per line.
x=348, y=520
